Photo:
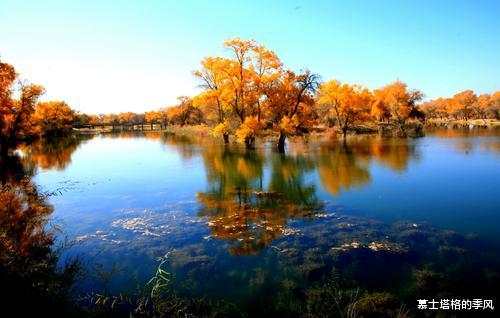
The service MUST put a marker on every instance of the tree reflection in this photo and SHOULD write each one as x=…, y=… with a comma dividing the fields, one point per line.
x=53, y=153
x=23, y=217
x=184, y=145
x=13, y=170
x=393, y=153
x=346, y=167
x=28, y=264
x=241, y=209
x=342, y=167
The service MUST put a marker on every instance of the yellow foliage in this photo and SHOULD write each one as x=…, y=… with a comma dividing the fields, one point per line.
x=221, y=129
x=249, y=129
x=289, y=125
x=53, y=116
x=398, y=99
x=349, y=103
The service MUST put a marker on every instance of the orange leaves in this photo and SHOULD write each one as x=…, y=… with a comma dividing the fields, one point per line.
x=399, y=100
x=7, y=77
x=236, y=88
x=184, y=113
x=380, y=111
x=289, y=125
x=249, y=129
x=240, y=48
x=23, y=217
x=15, y=115
x=222, y=129
x=465, y=105
x=462, y=103
x=291, y=95
x=153, y=116
x=51, y=117
x=350, y=104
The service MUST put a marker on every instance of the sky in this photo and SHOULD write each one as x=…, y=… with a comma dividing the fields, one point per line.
x=115, y=56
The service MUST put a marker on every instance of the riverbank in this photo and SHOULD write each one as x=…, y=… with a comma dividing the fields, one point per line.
x=462, y=122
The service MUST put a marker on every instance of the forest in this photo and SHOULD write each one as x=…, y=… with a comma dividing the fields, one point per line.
x=249, y=93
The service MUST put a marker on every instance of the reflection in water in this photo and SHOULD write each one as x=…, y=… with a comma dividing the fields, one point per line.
x=266, y=204
x=347, y=167
x=240, y=208
x=462, y=132
x=341, y=168
x=23, y=217
x=184, y=145
x=28, y=263
x=393, y=153
x=54, y=153
x=13, y=169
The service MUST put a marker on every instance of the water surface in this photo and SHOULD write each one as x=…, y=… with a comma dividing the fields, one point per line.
x=245, y=225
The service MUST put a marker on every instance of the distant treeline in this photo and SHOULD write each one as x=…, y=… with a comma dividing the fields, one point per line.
x=244, y=93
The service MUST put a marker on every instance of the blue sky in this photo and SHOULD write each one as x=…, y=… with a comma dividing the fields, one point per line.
x=112, y=56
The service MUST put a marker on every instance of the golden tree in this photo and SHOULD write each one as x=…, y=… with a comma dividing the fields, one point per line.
x=494, y=109
x=53, y=117
x=462, y=104
x=214, y=100
x=380, y=111
x=350, y=104
x=240, y=76
x=15, y=123
x=482, y=106
x=184, y=113
x=289, y=104
x=400, y=101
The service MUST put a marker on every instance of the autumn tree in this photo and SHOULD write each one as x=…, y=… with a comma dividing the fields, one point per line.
x=239, y=77
x=487, y=106
x=15, y=123
x=110, y=119
x=53, y=117
x=289, y=104
x=234, y=88
x=82, y=119
x=156, y=117
x=442, y=107
x=184, y=113
x=400, y=101
x=462, y=104
x=482, y=105
x=350, y=104
x=215, y=99
x=267, y=69
x=380, y=111
x=494, y=108
x=128, y=118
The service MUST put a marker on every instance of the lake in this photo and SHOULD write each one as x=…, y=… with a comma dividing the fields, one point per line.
x=261, y=227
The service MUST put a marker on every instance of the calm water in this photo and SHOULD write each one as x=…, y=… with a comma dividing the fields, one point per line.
x=247, y=225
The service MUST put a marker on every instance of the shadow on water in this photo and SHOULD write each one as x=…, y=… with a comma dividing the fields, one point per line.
x=52, y=153
x=260, y=242
x=245, y=209
x=30, y=277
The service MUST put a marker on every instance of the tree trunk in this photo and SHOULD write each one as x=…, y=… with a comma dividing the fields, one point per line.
x=249, y=142
x=4, y=150
x=344, y=134
x=280, y=146
x=226, y=138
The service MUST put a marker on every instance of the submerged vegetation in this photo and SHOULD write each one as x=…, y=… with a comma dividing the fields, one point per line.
x=260, y=242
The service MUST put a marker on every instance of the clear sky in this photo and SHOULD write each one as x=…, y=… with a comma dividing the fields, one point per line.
x=112, y=56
